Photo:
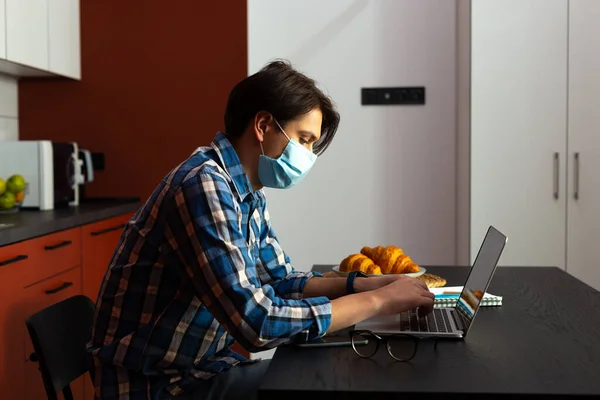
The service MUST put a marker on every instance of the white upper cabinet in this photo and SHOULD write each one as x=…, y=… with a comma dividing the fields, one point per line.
x=27, y=32
x=2, y=29
x=40, y=38
x=64, y=38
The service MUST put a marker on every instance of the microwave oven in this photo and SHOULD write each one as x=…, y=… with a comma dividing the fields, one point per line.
x=52, y=171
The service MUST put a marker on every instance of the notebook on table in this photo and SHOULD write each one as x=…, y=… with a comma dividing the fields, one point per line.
x=448, y=297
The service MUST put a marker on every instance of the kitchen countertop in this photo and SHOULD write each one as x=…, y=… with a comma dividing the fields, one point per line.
x=28, y=224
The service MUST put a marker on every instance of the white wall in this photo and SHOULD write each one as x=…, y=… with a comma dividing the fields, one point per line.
x=9, y=113
x=390, y=175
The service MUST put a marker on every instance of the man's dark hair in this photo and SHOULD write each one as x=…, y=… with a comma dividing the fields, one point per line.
x=285, y=93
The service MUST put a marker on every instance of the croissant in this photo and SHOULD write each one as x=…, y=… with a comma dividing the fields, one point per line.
x=374, y=253
x=359, y=262
x=390, y=259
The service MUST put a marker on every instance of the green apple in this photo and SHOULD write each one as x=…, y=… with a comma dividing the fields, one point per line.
x=7, y=201
x=15, y=184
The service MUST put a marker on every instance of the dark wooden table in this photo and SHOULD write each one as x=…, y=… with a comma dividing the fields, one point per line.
x=544, y=340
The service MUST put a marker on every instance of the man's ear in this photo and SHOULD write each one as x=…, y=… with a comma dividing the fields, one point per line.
x=262, y=123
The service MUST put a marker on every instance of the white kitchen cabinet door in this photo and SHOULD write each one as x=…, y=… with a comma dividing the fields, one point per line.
x=27, y=32
x=64, y=38
x=2, y=29
x=518, y=128
x=583, y=250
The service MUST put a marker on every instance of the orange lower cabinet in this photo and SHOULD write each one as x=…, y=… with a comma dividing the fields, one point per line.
x=88, y=388
x=77, y=389
x=99, y=241
x=35, y=387
x=53, y=254
x=36, y=298
x=13, y=259
x=37, y=273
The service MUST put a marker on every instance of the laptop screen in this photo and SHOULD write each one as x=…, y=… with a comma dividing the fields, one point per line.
x=480, y=275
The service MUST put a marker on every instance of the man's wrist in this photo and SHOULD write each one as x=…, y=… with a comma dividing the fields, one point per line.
x=351, y=280
x=361, y=284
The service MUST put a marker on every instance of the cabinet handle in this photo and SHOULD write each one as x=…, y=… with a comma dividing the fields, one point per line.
x=13, y=260
x=59, y=245
x=576, y=183
x=107, y=230
x=556, y=175
x=34, y=357
x=61, y=287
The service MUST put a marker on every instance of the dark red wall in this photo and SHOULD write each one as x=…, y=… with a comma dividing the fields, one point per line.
x=155, y=80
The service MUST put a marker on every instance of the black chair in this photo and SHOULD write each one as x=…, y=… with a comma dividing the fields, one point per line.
x=59, y=334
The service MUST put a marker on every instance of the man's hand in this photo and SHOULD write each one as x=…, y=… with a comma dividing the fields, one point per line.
x=403, y=295
x=376, y=282
x=394, y=295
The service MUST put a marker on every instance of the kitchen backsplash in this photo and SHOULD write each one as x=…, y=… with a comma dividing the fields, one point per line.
x=9, y=110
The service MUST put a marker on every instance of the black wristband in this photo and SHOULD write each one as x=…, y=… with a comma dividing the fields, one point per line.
x=350, y=280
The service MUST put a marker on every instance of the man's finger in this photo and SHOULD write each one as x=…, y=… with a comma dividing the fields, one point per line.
x=426, y=306
x=422, y=284
x=425, y=310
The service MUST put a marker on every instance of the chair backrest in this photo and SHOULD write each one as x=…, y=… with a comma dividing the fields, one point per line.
x=59, y=334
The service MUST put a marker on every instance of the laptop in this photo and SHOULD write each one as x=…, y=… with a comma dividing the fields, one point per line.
x=448, y=322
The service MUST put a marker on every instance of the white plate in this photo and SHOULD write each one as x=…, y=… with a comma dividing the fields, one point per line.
x=412, y=274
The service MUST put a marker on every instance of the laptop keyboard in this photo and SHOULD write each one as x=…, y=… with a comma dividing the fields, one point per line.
x=437, y=321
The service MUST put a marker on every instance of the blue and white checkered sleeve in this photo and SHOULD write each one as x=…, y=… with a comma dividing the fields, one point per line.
x=207, y=237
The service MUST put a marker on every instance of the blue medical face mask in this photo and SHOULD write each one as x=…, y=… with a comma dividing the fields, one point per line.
x=287, y=170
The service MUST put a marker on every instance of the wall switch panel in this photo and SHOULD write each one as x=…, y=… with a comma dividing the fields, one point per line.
x=393, y=96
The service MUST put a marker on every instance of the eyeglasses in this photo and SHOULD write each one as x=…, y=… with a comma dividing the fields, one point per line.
x=400, y=346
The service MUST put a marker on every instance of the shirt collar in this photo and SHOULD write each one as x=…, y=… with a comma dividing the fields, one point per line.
x=232, y=164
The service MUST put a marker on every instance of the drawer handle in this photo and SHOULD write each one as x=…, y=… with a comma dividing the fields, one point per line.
x=107, y=230
x=13, y=260
x=58, y=246
x=61, y=287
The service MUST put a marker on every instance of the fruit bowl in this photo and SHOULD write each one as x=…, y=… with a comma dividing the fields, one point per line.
x=13, y=210
x=12, y=194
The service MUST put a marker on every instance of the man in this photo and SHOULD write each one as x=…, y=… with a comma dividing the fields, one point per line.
x=199, y=265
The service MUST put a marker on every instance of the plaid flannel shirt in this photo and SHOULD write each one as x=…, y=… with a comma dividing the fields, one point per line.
x=197, y=267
